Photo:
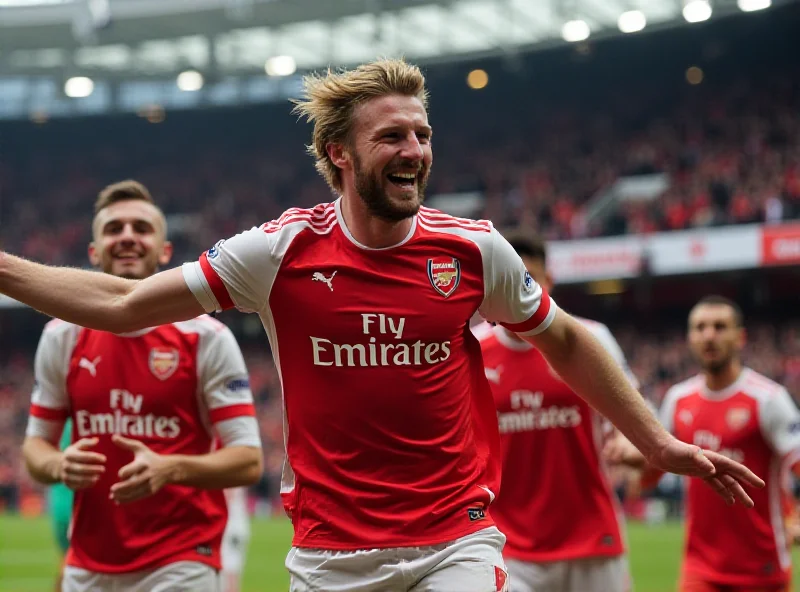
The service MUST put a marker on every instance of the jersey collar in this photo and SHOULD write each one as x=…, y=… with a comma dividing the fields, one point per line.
x=729, y=390
x=340, y=219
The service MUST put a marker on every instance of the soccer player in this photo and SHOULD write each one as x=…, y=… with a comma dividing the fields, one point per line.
x=146, y=406
x=737, y=412
x=233, y=550
x=556, y=506
x=391, y=435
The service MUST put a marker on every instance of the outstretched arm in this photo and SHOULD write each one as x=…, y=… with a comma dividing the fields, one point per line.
x=592, y=373
x=584, y=364
x=98, y=300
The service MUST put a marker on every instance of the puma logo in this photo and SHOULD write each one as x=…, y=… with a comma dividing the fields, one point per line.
x=91, y=366
x=319, y=277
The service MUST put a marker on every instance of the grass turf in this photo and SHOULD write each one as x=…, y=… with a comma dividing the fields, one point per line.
x=28, y=557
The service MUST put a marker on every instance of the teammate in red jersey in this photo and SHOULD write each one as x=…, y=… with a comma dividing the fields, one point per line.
x=391, y=435
x=149, y=510
x=737, y=412
x=563, y=527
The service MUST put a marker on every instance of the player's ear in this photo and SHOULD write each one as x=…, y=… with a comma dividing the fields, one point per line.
x=338, y=154
x=94, y=255
x=741, y=341
x=165, y=255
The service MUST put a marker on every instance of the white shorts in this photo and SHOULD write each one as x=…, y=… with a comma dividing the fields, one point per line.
x=594, y=574
x=473, y=563
x=234, y=550
x=182, y=576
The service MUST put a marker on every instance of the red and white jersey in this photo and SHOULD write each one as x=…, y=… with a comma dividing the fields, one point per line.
x=389, y=422
x=556, y=502
x=173, y=387
x=754, y=421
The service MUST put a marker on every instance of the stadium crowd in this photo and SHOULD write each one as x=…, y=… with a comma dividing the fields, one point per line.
x=731, y=153
x=658, y=359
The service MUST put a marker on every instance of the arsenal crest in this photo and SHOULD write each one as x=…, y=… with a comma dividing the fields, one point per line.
x=163, y=362
x=444, y=274
x=737, y=417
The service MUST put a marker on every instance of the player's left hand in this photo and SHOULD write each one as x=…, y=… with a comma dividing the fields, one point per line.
x=725, y=476
x=145, y=475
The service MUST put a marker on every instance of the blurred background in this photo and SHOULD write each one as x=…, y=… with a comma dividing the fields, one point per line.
x=654, y=143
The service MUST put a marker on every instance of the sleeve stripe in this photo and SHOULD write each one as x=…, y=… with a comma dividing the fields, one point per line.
x=216, y=285
x=49, y=413
x=231, y=411
x=194, y=278
x=539, y=321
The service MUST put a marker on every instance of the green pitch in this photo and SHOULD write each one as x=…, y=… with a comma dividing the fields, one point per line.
x=28, y=559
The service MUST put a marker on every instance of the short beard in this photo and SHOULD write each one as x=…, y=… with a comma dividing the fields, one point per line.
x=377, y=201
x=718, y=367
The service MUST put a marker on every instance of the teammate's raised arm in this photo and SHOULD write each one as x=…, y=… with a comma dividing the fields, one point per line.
x=98, y=300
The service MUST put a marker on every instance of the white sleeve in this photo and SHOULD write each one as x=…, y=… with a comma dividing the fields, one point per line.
x=512, y=298
x=780, y=423
x=237, y=272
x=666, y=414
x=226, y=389
x=49, y=401
x=606, y=339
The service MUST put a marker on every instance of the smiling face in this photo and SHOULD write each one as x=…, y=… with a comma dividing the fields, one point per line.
x=129, y=239
x=388, y=156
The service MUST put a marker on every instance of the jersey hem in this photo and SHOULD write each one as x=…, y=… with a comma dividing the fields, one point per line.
x=731, y=580
x=214, y=562
x=394, y=544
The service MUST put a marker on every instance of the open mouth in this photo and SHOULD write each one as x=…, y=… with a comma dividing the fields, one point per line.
x=127, y=257
x=405, y=181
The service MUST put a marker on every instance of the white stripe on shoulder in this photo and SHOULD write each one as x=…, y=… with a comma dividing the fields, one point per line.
x=200, y=325
x=759, y=386
x=320, y=219
x=690, y=386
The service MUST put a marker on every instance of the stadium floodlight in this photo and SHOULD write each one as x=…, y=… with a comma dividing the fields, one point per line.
x=574, y=31
x=78, y=87
x=28, y=3
x=190, y=80
x=696, y=11
x=280, y=66
x=477, y=79
x=753, y=5
x=631, y=21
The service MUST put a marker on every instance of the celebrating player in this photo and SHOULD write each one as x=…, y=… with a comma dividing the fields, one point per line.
x=563, y=525
x=392, y=441
x=737, y=412
x=149, y=509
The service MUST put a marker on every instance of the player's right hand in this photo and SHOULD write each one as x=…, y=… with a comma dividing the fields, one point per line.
x=725, y=476
x=80, y=467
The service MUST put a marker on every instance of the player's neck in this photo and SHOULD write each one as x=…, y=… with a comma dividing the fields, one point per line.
x=717, y=381
x=369, y=230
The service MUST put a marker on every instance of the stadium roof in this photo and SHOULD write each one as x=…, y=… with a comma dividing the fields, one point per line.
x=74, y=57
x=127, y=38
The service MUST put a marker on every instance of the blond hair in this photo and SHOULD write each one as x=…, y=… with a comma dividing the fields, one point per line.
x=330, y=99
x=128, y=190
